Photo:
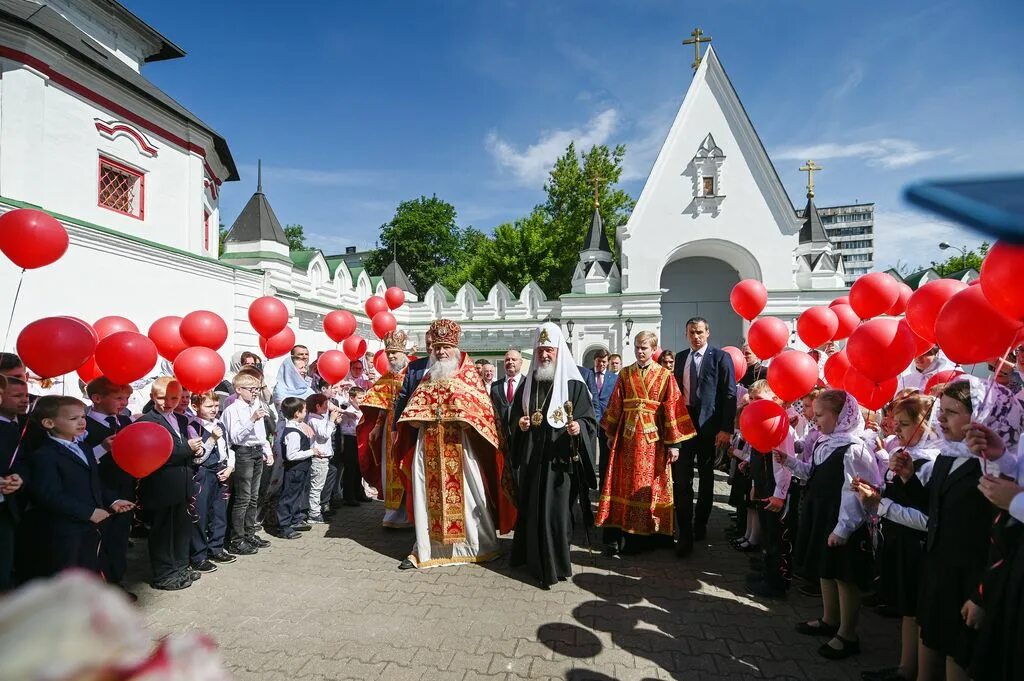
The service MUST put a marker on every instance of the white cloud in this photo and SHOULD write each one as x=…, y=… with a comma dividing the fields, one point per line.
x=312, y=176
x=648, y=137
x=530, y=166
x=912, y=237
x=854, y=77
x=888, y=152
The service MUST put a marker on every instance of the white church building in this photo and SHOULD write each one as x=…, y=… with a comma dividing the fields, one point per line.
x=136, y=179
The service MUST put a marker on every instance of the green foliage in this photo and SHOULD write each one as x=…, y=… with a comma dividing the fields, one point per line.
x=296, y=237
x=958, y=261
x=430, y=245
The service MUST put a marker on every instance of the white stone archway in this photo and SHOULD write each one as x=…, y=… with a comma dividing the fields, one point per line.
x=696, y=280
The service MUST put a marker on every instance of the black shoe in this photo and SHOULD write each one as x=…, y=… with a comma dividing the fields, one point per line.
x=612, y=551
x=222, y=557
x=683, y=548
x=849, y=648
x=205, y=566
x=328, y=513
x=700, y=532
x=817, y=628
x=364, y=499
x=302, y=527
x=193, y=574
x=288, y=533
x=171, y=584
x=765, y=590
x=244, y=548
x=258, y=542
x=406, y=565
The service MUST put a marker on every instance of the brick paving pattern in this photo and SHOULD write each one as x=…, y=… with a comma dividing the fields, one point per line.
x=333, y=605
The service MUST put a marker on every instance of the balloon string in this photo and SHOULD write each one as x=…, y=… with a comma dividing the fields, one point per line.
x=1004, y=359
x=14, y=306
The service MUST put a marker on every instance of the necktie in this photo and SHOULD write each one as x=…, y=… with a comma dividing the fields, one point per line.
x=693, y=378
x=112, y=422
x=510, y=391
x=600, y=381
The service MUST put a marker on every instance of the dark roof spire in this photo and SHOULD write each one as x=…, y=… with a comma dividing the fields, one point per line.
x=394, y=275
x=259, y=176
x=597, y=240
x=812, y=230
x=257, y=221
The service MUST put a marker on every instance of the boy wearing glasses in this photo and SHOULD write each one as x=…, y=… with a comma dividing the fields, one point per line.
x=246, y=434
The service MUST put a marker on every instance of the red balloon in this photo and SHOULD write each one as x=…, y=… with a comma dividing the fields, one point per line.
x=383, y=323
x=108, y=326
x=873, y=294
x=835, y=369
x=793, y=374
x=333, y=366
x=54, y=346
x=31, y=238
x=739, y=362
x=394, y=297
x=141, y=448
x=900, y=306
x=204, y=329
x=969, y=329
x=375, y=304
x=841, y=300
x=764, y=425
x=974, y=282
x=89, y=372
x=768, y=336
x=339, y=325
x=354, y=347
x=923, y=307
x=268, y=316
x=166, y=333
x=867, y=392
x=125, y=356
x=848, y=321
x=199, y=369
x=381, y=363
x=881, y=348
x=923, y=345
x=279, y=345
x=816, y=325
x=1000, y=278
x=748, y=298
x=941, y=378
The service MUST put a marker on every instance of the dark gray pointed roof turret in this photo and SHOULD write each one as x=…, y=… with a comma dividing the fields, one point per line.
x=812, y=230
x=257, y=221
x=597, y=240
x=394, y=275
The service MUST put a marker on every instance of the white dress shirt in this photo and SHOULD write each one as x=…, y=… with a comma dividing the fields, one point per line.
x=694, y=356
x=239, y=428
x=293, y=450
x=212, y=446
x=323, y=430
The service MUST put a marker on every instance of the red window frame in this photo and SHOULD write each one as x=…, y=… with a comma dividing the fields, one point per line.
x=128, y=170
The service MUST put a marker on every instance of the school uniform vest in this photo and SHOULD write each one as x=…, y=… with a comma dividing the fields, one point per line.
x=213, y=462
x=304, y=443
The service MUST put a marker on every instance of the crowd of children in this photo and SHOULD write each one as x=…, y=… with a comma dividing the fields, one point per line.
x=237, y=465
x=917, y=510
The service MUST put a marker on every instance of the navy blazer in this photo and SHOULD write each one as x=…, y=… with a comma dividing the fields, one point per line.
x=64, y=488
x=171, y=483
x=413, y=375
x=502, y=407
x=600, y=401
x=715, y=401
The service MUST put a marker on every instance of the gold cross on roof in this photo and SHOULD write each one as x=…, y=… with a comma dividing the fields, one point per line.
x=810, y=168
x=697, y=37
x=596, y=179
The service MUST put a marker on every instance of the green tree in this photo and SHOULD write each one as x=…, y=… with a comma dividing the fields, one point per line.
x=518, y=252
x=296, y=237
x=429, y=242
x=958, y=261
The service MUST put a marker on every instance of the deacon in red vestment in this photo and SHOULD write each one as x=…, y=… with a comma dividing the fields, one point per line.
x=377, y=460
x=459, y=490
x=645, y=421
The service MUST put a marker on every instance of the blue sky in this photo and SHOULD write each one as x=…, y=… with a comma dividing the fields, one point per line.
x=355, y=106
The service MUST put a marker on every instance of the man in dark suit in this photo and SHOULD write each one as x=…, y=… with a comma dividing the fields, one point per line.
x=503, y=392
x=707, y=380
x=413, y=375
x=601, y=382
x=165, y=494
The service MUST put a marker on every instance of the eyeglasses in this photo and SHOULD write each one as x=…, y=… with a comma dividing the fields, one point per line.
x=250, y=388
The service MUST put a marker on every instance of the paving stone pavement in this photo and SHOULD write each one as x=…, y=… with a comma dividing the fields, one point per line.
x=332, y=605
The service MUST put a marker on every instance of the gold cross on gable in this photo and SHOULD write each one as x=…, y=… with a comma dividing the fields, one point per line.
x=697, y=37
x=597, y=179
x=810, y=168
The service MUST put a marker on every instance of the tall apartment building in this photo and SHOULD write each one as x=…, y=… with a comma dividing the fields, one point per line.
x=851, y=229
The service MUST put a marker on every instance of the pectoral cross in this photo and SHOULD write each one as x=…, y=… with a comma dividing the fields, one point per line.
x=696, y=39
x=810, y=168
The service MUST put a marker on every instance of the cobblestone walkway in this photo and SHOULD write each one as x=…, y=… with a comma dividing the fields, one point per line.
x=332, y=605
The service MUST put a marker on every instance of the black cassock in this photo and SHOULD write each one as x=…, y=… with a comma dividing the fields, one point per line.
x=550, y=483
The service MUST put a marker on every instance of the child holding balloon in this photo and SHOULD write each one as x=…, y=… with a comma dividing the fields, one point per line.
x=833, y=543
x=213, y=466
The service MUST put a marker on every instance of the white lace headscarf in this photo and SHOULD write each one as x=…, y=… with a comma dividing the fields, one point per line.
x=549, y=335
x=849, y=427
x=992, y=405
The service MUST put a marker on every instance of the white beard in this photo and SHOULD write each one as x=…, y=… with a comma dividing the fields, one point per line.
x=545, y=372
x=396, y=367
x=444, y=368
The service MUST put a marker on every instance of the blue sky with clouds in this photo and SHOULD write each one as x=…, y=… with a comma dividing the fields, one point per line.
x=355, y=106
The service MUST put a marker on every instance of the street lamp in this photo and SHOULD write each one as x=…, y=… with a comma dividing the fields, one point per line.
x=629, y=327
x=963, y=253
x=569, y=326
